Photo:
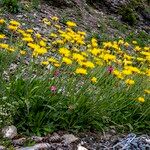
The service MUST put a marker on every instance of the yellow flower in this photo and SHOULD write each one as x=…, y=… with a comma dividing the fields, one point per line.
x=44, y=63
x=78, y=57
x=54, y=18
x=2, y=21
x=148, y=58
x=120, y=41
x=126, y=62
x=33, y=46
x=11, y=27
x=126, y=44
x=127, y=72
x=11, y=49
x=94, y=79
x=145, y=53
x=107, y=44
x=42, y=43
x=58, y=42
x=64, y=51
x=45, y=20
x=22, y=52
x=89, y=64
x=67, y=60
x=53, y=35
x=140, y=59
x=57, y=26
x=129, y=82
x=38, y=35
x=27, y=39
x=133, y=69
x=21, y=31
x=128, y=57
x=47, y=23
x=108, y=57
x=134, y=42
x=81, y=71
x=26, y=35
x=81, y=33
x=40, y=51
x=146, y=48
x=44, y=39
x=148, y=72
x=3, y=45
x=57, y=65
x=147, y=91
x=94, y=42
x=141, y=99
x=30, y=30
x=52, y=60
x=2, y=36
x=95, y=51
x=137, y=48
x=14, y=23
x=71, y=24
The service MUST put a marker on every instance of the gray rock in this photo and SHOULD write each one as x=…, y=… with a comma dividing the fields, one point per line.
x=40, y=146
x=2, y=147
x=20, y=141
x=112, y=131
x=19, y=16
x=13, y=67
x=69, y=138
x=9, y=132
x=55, y=138
x=81, y=148
x=26, y=148
x=36, y=138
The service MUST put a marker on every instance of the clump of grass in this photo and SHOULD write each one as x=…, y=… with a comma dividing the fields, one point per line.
x=129, y=15
x=66, y=80
x=11, y=5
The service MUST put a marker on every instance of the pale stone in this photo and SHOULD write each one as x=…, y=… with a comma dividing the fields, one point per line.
x=2, y=147
x=81, y=148
x=69, y=138
x=9, y=132
x=44, y=146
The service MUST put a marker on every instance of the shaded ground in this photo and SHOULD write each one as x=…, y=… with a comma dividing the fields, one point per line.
x=92, y=19
x=109, y=140
x=96, y=23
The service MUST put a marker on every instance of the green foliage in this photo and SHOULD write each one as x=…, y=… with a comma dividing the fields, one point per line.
x=36, y=109
x=142, y=38
x=77, y=103
x=11, y=5
x=129, y=15
x=35, y=3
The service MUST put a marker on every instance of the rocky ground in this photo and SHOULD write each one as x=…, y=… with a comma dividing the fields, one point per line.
x=93, y=21
x=92, y=18
x=109, y=140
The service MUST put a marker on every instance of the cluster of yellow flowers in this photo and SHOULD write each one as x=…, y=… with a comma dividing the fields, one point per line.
x=73, y=49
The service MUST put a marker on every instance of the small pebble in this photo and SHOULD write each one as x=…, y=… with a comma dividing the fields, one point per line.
x=9, y=132
x=2, y=147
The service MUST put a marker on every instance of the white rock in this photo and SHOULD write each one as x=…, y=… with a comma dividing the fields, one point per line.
x=81, y=148
x=27, y=148
x=148, y=141
x=2, y=147
x=69, y=138
x=44, y=146
x=36, y=138
x=9, y=132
